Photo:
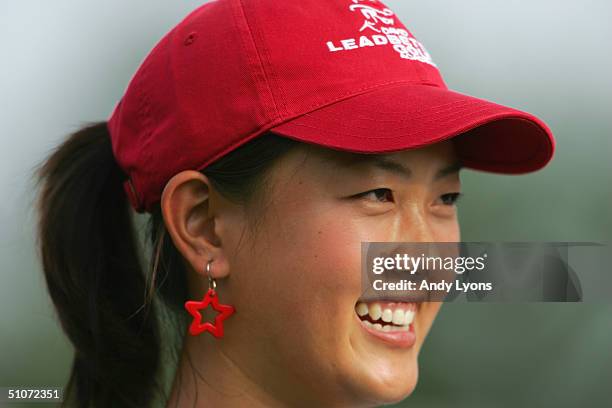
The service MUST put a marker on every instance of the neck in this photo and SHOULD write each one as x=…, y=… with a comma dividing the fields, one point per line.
x=206, y=376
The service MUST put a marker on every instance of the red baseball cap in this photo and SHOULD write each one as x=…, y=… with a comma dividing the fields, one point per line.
x=345, y=74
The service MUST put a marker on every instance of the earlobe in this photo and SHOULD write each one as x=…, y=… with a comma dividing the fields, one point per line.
x=185, y=210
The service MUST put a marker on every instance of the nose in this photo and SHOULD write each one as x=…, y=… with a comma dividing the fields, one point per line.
x=415, y=225
x=421, y=230
x=419, y=226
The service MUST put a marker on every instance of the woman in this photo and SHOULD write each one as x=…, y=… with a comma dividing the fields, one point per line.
x=267, y=141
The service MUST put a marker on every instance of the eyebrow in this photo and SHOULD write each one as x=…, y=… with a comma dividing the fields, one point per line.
x=392, y=166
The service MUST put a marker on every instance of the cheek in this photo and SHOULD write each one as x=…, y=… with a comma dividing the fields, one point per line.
x=303, y=277
x=425, y=319
x=316, y=263
x=298, y=288
x=446, y=229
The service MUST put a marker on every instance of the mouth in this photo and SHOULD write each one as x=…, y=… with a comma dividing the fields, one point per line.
x=389, y=322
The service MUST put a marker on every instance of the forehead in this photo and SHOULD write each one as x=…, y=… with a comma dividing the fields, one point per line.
x=323, y=165
x=437, y=152
x=312, y=169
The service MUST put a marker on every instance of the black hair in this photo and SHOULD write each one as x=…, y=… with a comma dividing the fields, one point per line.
x=110, y=308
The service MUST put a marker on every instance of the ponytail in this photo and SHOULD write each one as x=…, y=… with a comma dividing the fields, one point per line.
x=110, y=310
x=90, y=257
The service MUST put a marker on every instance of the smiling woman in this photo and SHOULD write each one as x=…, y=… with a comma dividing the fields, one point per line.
x=262, y=178
x=311, y=224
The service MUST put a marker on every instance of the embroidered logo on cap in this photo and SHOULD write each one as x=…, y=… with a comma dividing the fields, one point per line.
x=378, y=28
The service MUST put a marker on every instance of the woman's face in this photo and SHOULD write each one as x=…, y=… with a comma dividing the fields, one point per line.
x=295, y=280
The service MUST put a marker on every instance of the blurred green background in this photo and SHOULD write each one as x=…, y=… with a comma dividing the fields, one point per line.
x=66, y=62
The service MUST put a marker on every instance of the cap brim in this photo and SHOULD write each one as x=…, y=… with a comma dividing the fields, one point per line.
x=489, y=137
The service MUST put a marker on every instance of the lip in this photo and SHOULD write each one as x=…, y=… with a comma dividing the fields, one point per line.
x=400, y=339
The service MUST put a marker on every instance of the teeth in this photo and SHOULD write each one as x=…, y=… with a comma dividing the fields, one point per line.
x=398, y=317
x=362, y=309
x=392, y=320
x=386, y=327
x=375, y=311
x=409, y=317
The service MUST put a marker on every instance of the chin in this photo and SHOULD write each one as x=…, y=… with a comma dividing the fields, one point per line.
x=386, y=340
x=383, y=390
x=397, y=389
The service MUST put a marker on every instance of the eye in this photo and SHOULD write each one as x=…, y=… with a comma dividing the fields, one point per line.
x=378, y=194
x=450, y=198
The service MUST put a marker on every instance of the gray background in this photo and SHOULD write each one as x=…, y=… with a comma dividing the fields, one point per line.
x=65, y=63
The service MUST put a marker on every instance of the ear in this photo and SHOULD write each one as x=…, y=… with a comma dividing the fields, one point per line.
x=186, y=209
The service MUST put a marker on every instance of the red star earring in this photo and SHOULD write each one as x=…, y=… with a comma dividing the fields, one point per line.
x=194, y=307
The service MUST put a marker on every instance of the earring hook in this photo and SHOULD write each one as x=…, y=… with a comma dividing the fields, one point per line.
x=212, y=283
